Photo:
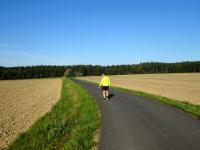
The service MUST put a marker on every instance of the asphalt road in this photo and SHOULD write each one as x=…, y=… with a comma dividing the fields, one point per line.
x=133, y=123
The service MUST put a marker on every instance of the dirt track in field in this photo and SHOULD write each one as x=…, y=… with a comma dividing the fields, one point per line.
x=23, y=102
x=182, y=86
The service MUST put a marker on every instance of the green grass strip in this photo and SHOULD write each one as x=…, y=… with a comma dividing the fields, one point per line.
x=70, y=124
x=184, y=106
x=192, y=109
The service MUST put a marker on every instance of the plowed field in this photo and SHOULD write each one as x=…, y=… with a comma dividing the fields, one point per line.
x=23, y=102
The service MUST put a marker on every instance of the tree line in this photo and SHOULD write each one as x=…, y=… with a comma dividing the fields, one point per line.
x=42, y=71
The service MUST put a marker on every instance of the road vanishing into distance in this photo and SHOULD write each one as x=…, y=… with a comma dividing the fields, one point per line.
x=133, y=123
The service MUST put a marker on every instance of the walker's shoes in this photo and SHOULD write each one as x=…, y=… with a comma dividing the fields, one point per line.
x=107, y=98
x=104, y=98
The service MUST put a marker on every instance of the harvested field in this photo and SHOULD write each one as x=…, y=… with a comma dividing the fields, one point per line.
x=23, y=102
x=179, y=86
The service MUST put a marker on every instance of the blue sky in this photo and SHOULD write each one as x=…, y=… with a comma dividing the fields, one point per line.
x=105, y=32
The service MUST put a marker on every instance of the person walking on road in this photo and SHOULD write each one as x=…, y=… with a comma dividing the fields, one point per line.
x=105, y=84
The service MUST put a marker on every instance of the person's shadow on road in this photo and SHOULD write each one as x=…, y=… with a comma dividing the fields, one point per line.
x=111, y=96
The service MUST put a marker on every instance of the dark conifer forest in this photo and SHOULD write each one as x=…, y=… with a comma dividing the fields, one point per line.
x=42, y=71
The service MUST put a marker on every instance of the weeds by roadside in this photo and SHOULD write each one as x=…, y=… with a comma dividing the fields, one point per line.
x=70, y=124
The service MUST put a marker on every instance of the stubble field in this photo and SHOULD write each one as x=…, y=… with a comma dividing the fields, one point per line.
x=23, y=102
x=179, y=86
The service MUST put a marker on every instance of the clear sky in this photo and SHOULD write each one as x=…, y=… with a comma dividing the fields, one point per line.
x=105, y=32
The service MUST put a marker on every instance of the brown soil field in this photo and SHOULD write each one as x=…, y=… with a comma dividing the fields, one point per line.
x=179, y=86
x=23, y=102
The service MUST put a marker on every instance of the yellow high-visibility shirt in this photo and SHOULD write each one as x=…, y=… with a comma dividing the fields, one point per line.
x=105, y=81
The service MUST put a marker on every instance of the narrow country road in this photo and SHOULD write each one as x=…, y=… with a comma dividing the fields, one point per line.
x=133, y=123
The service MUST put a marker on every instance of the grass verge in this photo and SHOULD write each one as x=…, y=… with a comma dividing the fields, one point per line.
x=184, y=106
x=70, y=125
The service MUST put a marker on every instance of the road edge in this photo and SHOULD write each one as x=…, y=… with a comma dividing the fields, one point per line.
x=186, y=107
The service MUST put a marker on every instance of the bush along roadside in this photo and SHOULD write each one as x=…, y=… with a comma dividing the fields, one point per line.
x=70, y=125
